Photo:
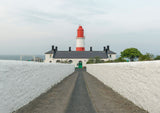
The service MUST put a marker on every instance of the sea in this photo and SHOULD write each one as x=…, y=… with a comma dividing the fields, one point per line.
x=18, y=57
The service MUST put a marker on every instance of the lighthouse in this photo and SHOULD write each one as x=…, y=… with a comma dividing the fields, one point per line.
x=80, y=45
x=80, y=57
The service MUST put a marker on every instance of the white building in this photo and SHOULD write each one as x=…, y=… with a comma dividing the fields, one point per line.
x=80, y=56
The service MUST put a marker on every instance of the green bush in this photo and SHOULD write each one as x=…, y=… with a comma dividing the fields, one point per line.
x=146, y=57
x=95, y=60
x=157, y=58
x=120, y=59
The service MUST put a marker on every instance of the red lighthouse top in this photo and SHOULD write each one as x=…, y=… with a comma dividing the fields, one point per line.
x=80, y=32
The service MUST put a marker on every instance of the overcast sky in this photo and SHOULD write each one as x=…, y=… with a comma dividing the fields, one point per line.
x=32, y=26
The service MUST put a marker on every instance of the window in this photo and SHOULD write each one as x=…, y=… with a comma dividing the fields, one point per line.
x=50, y=61
x=70, y=61
x=110, y=56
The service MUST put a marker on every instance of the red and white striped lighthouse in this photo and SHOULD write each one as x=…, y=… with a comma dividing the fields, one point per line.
x=80, y=39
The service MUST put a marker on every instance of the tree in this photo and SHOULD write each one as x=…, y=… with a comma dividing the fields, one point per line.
x=131, y=53
x=157, y=58
x=146, y=57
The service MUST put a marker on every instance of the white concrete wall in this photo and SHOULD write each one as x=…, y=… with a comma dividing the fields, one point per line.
x=21, y=82
x=75, y=61
x=113, y=56
x=48, y=58
x=137, y=81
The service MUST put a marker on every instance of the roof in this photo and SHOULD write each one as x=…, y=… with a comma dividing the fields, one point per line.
x=80, y=54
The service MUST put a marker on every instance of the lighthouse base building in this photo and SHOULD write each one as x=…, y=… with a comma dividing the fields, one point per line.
x=79, y=57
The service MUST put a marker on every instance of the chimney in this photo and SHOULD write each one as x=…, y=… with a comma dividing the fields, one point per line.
x=69, y=48
x=108, y=47
x=107, y=52
x=90, y=48
x=56, y=48
x=104, y=49
x=53, y=48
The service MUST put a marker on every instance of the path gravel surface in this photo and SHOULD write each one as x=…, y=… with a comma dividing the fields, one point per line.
x=80, y=93
x=80, y=101
x=105, y=100
x=53, y=101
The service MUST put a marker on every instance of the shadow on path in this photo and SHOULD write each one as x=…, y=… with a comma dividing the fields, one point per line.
x=80, y=101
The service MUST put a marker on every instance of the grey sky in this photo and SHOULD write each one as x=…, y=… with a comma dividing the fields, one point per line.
x=32, y=26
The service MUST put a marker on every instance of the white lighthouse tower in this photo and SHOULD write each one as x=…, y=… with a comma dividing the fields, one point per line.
x=80, y=44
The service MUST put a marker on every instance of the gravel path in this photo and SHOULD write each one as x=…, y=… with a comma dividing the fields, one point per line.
x=105, y=100
x=80, y=93
x=80, y=101
x=53, y=101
